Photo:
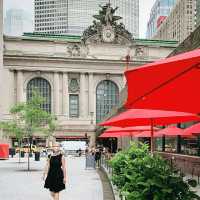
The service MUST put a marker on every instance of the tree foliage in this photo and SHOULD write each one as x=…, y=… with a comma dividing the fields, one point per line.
x=141, y=176
x=29, y=118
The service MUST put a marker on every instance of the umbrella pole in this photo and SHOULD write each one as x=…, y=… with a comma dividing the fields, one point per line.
x=131, y=135
x=152, y=142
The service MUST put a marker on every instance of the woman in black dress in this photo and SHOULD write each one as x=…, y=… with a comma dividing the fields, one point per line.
x=55, y=172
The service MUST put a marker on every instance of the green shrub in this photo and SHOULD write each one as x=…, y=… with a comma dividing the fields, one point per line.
x=141, y=176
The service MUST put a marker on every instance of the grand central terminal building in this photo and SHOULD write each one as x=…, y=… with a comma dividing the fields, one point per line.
x=80, y=77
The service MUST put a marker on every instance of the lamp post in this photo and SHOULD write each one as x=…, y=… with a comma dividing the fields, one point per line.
x=30, y=138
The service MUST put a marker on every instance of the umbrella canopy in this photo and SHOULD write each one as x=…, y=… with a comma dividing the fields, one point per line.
x=130, y=129
x=168, y=84
x=194, y=129
x=145, y=134
x=141, y=117
x=172, y=131
x=169, y=132
x=115, y=134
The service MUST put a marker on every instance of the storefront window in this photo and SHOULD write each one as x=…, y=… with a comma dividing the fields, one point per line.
x=158, y=144
x=190, y=146
x=171, y=144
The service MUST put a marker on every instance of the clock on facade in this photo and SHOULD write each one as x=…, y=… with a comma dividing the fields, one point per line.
x=108, y=34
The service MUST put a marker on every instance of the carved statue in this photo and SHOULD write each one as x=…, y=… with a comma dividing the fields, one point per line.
x=139, y=51
x=106, y=28
x=109, y=15
x=74, y=51
x=106, y=15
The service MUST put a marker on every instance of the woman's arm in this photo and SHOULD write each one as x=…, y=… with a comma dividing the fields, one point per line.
x=46, y=169
x=64, y=168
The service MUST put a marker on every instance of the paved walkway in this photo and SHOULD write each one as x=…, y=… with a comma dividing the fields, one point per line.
x=18, y=184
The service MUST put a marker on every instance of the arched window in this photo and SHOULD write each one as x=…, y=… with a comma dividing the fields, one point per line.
x=107, y=96
x=44, y=88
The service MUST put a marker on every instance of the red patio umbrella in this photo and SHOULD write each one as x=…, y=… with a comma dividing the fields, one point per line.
x=168, y=84
x=194, y=129
x=142, y=117
x=145, y=134
x=130, y=129
x=115, y=134
x=169, y=131
x=172, y=131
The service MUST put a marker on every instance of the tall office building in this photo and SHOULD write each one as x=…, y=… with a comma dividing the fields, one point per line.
x=17, y=22
x=159, y=12
x=198, y=13
x=51, y=16
x=180, y=23
x=74, y=16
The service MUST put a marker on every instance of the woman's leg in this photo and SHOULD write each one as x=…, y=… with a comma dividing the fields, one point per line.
x=53, y=195
x=56, y=196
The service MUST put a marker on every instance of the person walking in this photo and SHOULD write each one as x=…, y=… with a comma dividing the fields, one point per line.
x=97, y=157
x=55, y=172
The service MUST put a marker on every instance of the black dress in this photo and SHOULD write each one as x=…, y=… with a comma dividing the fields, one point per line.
x=54, y=181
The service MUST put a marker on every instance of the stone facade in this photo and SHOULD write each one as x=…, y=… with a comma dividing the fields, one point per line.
x=73, y=67
x=58, y=60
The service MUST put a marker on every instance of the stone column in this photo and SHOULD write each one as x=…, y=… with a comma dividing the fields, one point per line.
x=91, y=94
x=83, y=107
x=20, y=89
x=56, y=93
x=12, y=93
x=65, y=95
x=92, y=141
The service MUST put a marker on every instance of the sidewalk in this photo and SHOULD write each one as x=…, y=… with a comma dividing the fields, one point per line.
x=18, y=184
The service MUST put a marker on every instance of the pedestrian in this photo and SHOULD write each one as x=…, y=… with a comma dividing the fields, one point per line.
x=86, y=151
x=79, y=152
x=97, y=157
x=55, y=172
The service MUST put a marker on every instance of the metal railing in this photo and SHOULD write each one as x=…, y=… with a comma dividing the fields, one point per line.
x=104, y=164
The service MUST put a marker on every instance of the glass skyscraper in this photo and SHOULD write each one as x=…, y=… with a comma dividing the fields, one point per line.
x=74, y=16
x=160, y=10
x=16, y=22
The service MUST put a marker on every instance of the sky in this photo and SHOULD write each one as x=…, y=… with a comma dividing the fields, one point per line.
x=145, y=8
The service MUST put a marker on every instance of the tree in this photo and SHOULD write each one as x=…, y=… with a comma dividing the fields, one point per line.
x=29, y=118
x=141, y=176
x=14, y=129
